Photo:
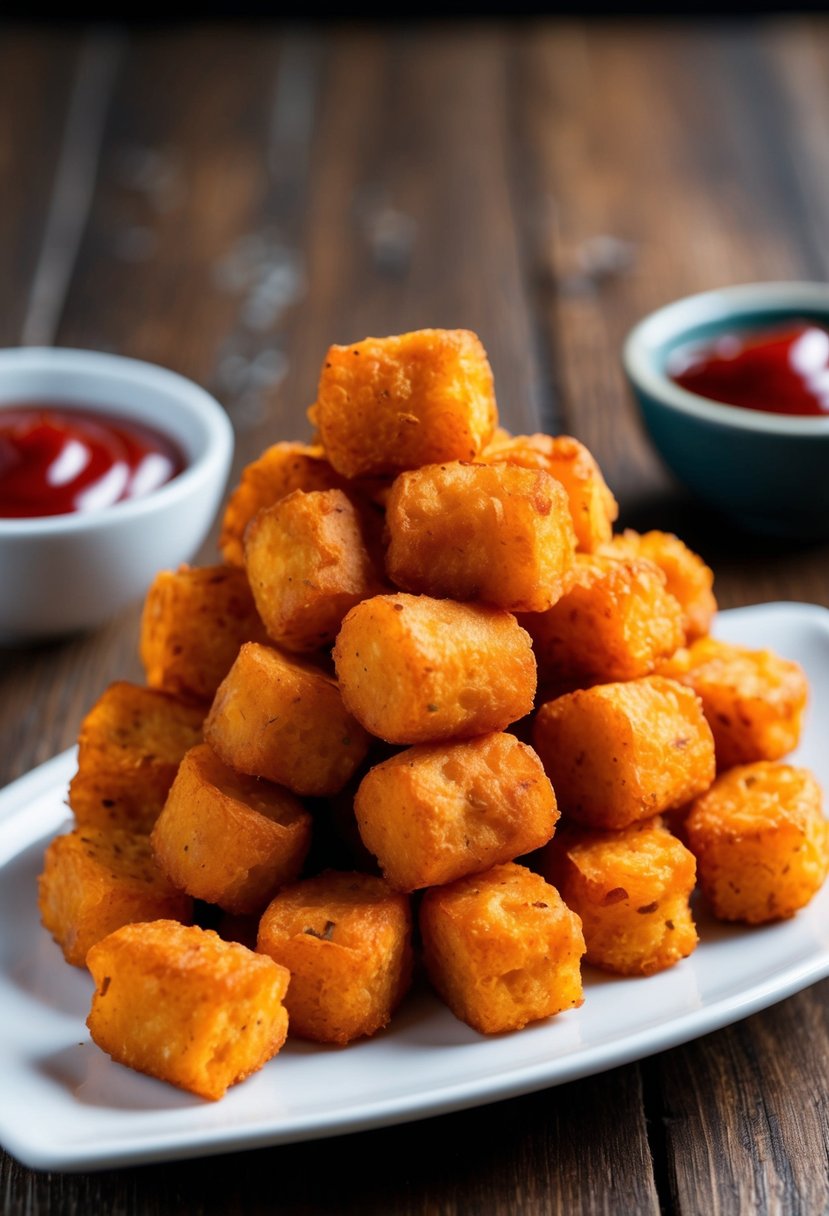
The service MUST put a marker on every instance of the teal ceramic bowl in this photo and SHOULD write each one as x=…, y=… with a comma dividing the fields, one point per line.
x=769, y=472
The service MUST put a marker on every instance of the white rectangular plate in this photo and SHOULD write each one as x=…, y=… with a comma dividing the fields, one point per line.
x=65, y=1105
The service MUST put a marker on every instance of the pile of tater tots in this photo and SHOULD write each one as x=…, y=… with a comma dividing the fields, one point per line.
x=429, y=706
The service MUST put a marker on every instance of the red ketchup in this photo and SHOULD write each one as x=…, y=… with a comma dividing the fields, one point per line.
x=55, y=460
x=781, y=371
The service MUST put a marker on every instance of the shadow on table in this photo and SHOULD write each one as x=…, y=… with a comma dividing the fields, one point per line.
x=720, y=540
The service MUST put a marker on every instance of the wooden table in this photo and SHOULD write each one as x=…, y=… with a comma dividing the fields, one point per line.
x=229, y=201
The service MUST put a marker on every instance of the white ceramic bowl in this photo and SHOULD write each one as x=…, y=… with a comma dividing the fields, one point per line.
x=64, y=573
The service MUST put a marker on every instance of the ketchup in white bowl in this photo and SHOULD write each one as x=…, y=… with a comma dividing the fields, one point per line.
x=111, y=469
x=55, y=460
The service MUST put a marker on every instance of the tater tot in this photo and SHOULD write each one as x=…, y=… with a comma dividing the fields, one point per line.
x=387, y=404
x=618, y=753
x=229, y=839
x=432, y=814
x=631, y=890
x=346, y=940
x=280, y=469
x=500, y=534
x=193, y=623
x=761, y=842
x=614, y=623
x=689, y=580
x=130, y=746
x=502, y=948
x=186, y=1007
x=283, y=720
x=754, y=700
x=417, y=670
x=308, y=562
x=592, y=506
x=95, y=880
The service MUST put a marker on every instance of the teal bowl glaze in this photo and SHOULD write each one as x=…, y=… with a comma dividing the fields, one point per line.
x=769, y=472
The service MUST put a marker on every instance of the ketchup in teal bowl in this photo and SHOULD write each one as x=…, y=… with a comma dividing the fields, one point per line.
x=781, y=370
x=733, y=389
x=55, y=460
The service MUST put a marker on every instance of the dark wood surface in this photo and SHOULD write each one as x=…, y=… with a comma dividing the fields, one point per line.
x=227, y=202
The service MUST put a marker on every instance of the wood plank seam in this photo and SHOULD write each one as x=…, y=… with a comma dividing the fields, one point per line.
x=655, y=1116
x=74, y=186
x=526, y=199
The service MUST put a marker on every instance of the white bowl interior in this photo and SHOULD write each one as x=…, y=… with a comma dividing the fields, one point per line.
x=108, y=384
x=120, y=387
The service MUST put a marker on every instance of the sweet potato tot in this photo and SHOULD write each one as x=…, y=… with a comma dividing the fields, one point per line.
x=500, y=534
x=283, y=720
x=96, y=880
x=761, y=842
x=417, y=670
x=592, y=506
x=130, y=746
x=754, y=700
x=614, y=623
x=619, y=753
x=346, y=940
x=308, y=562
x=280, y=469
x=502, y=948
x=388, y=404
x=229, y=839
x=194, y=621
x=631, y=890
x=432, y=814
x=186, y=1007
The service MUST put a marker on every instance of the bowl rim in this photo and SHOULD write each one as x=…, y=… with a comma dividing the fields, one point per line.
x=197, y=403
x=738, y=301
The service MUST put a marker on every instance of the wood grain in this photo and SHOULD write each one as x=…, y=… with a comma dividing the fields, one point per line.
x=36, y=77
x=660, y=164
x=524, y=1156
x=746, y=1114
x=411, y=221
x=55, y=95
x=218, y=244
